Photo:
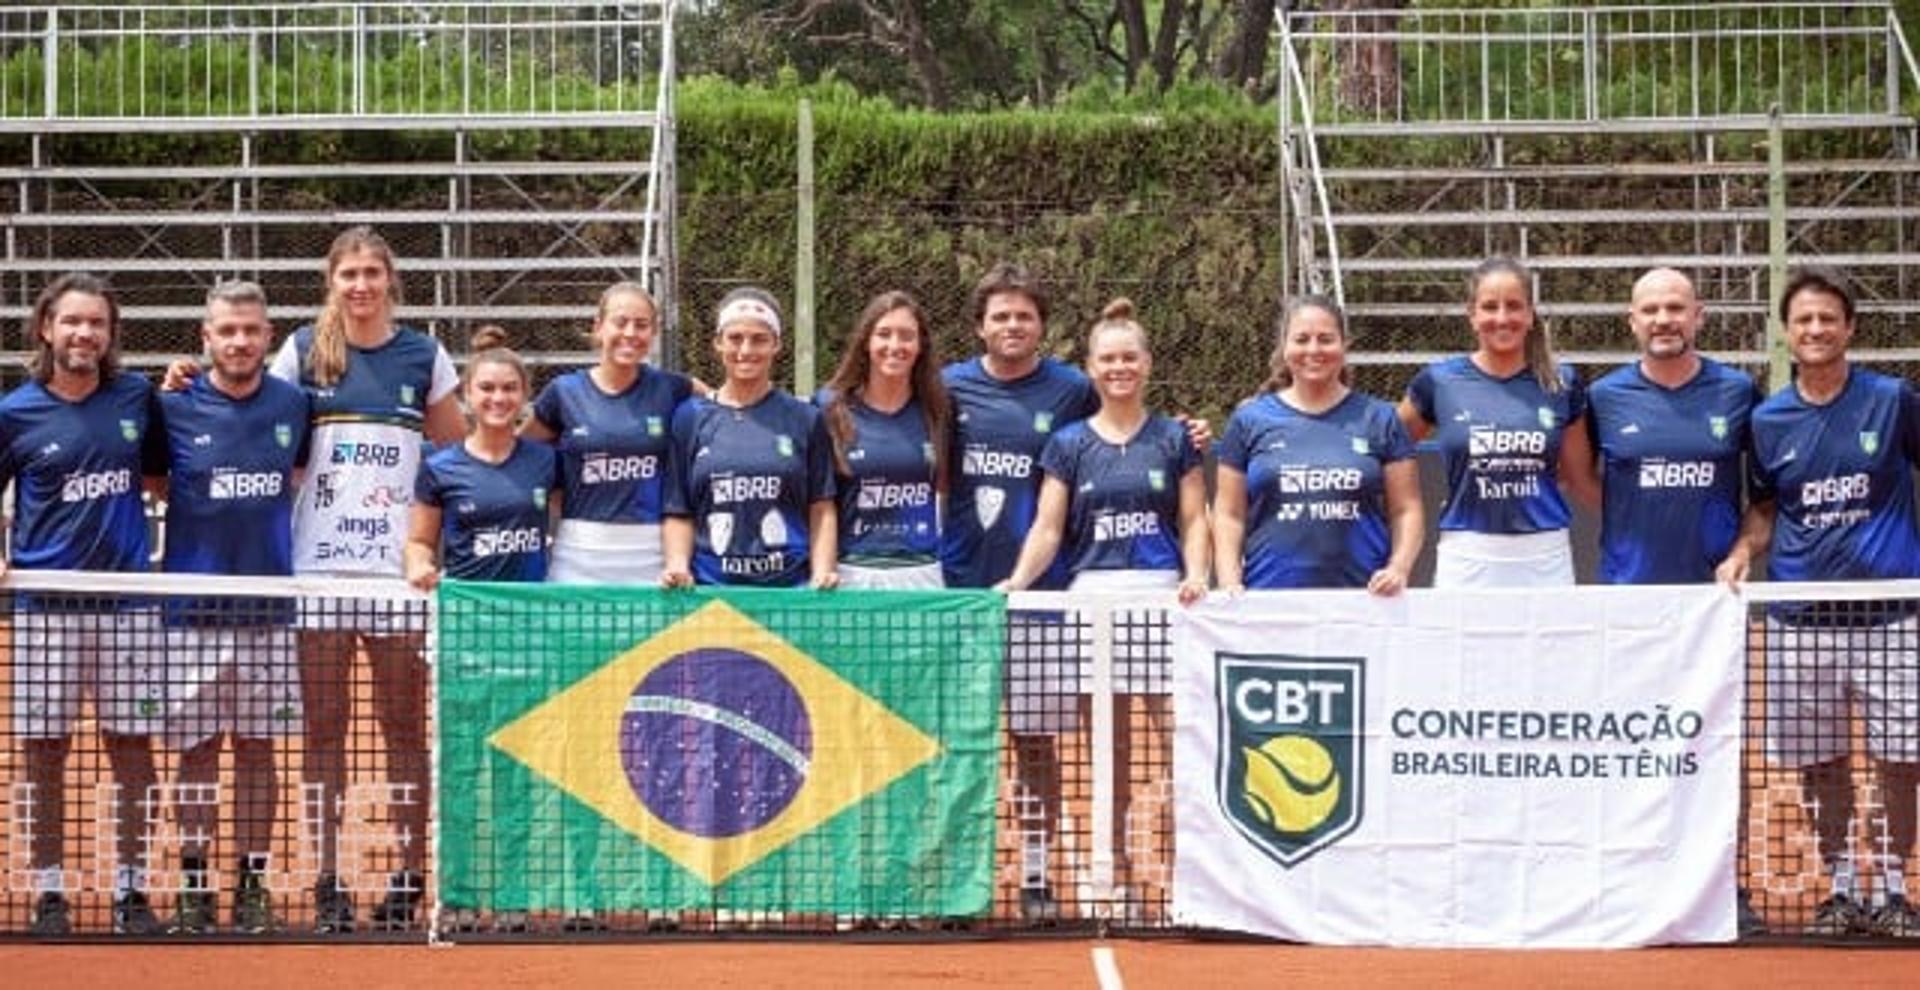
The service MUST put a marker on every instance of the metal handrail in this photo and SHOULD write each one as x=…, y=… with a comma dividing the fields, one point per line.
x=1295, y=80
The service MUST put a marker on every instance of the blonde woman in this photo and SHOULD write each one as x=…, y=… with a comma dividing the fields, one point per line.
x=376, y=388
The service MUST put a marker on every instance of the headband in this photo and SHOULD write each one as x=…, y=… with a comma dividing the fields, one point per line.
x=748, y=308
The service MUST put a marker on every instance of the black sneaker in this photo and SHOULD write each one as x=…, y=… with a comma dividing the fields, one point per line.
x=581, y=922
x=253, y=906
x=133, y=915
x=194, y=913
x=1839, y=916
x=1751, y=924
x=52, y=918
x=395, y=911
x=1897, y=918
x=1038, y=906
x=332, y=908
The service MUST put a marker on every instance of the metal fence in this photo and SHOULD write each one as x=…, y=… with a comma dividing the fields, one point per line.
x=1457, y=71
x=328, y=64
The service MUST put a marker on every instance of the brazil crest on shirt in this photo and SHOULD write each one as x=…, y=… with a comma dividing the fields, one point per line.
x=772, y=749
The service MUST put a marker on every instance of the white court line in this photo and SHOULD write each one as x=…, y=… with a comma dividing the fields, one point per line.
x=1105, y=970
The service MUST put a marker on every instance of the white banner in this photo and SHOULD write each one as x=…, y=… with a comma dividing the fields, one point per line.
x=1493, y=768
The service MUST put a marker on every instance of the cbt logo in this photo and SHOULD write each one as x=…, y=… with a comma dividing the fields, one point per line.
x=1291, y=772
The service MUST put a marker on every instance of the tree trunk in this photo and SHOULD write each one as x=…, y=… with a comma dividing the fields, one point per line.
x=1370, y=67
x=1243, y=62
x=927, y=70
x=1133, y=24
x=1166, y=42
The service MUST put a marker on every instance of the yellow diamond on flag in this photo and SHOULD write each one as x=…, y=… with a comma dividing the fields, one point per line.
x=716, y=742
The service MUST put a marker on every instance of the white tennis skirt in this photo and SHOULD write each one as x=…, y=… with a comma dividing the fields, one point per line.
x=910, y=577
x=586, y=552
x=1465, y=559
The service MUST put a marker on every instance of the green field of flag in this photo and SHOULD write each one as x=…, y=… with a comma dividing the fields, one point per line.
x=630, y=748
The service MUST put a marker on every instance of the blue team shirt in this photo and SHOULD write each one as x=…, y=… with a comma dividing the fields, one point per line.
x=1671, y=470
x=613, y=447
x=1500, y=440
x=999, y=429
x=747, y=477
x=1842, y=475
x=77, y=468
x=493, y=517
x=1123, y=509
x=1316, y=489
x=230, y=490
x=887, y=511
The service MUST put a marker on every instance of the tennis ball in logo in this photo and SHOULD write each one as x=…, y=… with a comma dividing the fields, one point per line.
x=1290, y=783
x=715, y=742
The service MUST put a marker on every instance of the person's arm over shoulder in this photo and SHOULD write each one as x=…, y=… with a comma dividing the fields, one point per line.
x=1416, y=408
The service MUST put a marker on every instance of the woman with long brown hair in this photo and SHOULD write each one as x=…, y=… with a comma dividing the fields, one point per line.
x=1510, y=421
x=888, y=414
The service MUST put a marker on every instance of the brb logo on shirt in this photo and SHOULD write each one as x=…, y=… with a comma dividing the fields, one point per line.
x=84, y=486
x=1676, y=474
x=731, y=488
x=980, y=462
x=1297, y=480
x=233, y=483
x=499, y=542
x=1124, y=525
x=875, y=494
x=597, y=469
x=353, y=454
x=1486, y=441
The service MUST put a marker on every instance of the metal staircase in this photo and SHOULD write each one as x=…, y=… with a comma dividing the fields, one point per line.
x=1594, y=143
x=168, y=147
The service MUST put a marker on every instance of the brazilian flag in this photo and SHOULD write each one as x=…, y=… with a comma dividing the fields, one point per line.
x=630, y=748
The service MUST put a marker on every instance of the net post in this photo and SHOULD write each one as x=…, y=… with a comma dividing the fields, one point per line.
x=432, y=892
x=1100, y=690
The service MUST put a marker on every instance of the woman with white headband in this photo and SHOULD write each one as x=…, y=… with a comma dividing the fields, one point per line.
x=750, y=489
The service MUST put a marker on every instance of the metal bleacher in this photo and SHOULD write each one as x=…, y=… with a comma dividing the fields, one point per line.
x=1594, y=143
x=518, y=156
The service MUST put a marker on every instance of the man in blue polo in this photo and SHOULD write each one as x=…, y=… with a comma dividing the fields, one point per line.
x=235, y=437
x=1670, y=431
x=1839, y=448
x=75, y=442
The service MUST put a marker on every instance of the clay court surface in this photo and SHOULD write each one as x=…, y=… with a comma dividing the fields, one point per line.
x=1031, y=963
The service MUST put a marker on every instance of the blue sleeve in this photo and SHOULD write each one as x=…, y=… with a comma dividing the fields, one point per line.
x=1391, y=439
x=1057, y=459
x=426, y=487
x=1420, y=393
x=1232, y=448
x=7, y=466
x=1759, y=485
x=546, y=407
x=821, y=480
x=1910, y=421
x=303, y=425
x=1576, y=393
x=156, y=464
x=1089, y=399
x=674, y=500
x=682, y=387
x=1188, y=457
x=154, y=455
